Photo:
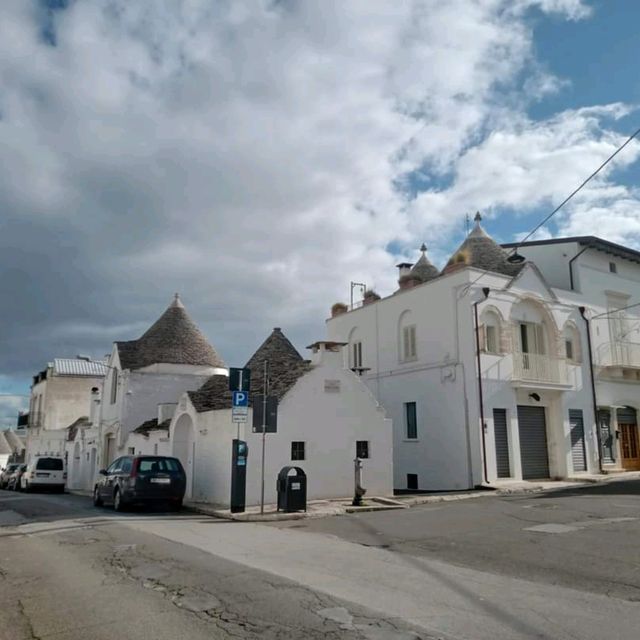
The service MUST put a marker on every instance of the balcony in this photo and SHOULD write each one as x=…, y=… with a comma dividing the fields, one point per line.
x=619, y=360
x=537, y=370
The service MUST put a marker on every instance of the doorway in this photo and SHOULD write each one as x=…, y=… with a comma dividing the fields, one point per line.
x=629, y=445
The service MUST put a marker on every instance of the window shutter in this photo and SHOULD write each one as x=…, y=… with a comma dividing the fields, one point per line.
x=405, y=343
x=482, y=337
x=540, y=339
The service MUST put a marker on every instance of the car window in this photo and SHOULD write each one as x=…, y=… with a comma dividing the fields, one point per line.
x=114, y=466
x=159, y=465
x=125, y=466
x=50, y=464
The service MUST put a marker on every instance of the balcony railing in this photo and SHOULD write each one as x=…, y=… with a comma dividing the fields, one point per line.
x=618, y=354
x=535, y=367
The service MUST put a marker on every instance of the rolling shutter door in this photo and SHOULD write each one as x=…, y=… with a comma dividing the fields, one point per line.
x=576, y=425
x=502, y=443
x=533, y=442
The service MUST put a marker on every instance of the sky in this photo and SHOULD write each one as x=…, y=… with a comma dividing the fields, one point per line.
x=258, y=155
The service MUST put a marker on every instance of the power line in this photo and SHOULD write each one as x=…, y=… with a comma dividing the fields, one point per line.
x=514, y=250
x=605, y=314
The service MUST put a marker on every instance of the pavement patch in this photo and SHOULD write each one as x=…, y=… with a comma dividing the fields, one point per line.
x=11, y=518
x=552, y=528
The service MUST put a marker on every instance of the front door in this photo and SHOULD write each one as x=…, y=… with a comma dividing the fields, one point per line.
x=533, y=443
x=629, y=449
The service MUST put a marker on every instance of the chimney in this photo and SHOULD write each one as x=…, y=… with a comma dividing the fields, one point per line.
x=325, y=352
x=94, y=408
x=404, y=268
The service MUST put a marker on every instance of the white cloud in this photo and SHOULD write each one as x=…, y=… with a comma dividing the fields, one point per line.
x=248, y=154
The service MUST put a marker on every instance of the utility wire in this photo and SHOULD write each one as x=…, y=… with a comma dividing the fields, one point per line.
x=605, y=314
x=514, y=250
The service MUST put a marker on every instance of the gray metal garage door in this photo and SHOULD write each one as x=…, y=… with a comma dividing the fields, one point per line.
x=502, y=443
x=576, y=424
x=533, y=442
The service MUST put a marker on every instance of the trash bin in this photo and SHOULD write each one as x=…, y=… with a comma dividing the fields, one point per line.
x=292, y=490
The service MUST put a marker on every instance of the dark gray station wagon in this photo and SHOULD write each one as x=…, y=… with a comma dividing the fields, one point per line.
x=141, y=480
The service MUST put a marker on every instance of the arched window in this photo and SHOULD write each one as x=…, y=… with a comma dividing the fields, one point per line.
x=572, y=350
x=490, y=333
x=407, y=339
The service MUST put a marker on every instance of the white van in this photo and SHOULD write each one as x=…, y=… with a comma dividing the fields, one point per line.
x=44, y=472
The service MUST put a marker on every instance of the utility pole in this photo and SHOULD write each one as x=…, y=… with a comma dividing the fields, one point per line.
x=265, y=389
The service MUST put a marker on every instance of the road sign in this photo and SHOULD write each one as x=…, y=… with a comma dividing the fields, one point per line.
x=271, y=420
x=239, y=379
x=240, y=399
x=239, y=414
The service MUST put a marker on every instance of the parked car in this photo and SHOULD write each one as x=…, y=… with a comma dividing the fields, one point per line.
x=14, y=478
x=44, y=472
x=6, y=474
x=141, y=480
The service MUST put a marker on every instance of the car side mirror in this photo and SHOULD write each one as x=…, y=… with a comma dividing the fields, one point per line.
x=103, y=472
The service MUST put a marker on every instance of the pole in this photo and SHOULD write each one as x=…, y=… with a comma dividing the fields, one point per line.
x=593, y=388
x=483, y=424
x=264, y=430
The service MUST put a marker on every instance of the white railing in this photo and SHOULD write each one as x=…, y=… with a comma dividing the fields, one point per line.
x=534, y=367
x=618, y=354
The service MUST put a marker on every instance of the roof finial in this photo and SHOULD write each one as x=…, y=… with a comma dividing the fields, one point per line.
x=176, y=301
x=477, y=217
x=423, y=248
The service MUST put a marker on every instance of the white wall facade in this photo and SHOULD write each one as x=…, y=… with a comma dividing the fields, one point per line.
x=139, y=392
x=329, y=422
x=614, y=339
x=442, y=379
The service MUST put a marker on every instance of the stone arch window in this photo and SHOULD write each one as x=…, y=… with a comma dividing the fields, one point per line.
x=356, y=360
x=407, y=337
x=534, y=330
x=572, y=346
x=491, y=339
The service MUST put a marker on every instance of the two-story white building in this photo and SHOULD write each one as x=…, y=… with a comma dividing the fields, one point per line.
x=604, y=278
x=481, y=367
x=60, y=396
x=173, y=356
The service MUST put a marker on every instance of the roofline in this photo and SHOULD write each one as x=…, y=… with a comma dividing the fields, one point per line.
x=586, y=241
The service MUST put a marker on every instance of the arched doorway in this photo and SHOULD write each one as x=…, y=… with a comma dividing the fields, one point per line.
x=183, y=446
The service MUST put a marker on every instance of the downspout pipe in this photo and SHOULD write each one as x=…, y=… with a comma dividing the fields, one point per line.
x=483, y=424
x=571, y=265
x=593, y=387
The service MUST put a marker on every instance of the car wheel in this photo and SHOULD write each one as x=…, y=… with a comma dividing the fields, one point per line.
x=175, y=506
x=118, y=503
x=97, y=500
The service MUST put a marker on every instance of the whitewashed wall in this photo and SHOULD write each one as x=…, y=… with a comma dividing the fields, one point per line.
x=329, y=423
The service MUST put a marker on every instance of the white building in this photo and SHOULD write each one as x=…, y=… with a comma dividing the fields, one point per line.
x=326, y=416
x=604, y=278
x=528, y=415
x=12, y=447
x=173, y=356
x=60, y=395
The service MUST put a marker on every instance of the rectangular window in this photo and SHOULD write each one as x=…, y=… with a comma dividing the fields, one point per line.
x=491, y=339
x=362, y=449
x=613, y=267
x=409, y=351
x=114, y=385
x=411, y=420
x=412, y=481
x=297, y=450
x=532, y=338
x=356, y=355
x=568, y=346
x=131, y=451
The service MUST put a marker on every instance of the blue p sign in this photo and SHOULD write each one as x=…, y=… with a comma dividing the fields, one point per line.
x=240, y=399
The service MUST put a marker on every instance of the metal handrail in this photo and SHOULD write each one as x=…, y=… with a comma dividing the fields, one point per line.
x=618, y=353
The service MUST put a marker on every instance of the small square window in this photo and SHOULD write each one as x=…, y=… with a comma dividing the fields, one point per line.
x=412, y=481
x=613, y=267
x=131, y=451
x=297, y=450
x=362, y=449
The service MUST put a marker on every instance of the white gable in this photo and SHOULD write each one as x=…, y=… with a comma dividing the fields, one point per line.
x=531, y=281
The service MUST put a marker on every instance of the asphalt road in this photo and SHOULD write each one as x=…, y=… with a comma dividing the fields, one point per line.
x=584, y=538
x=69, y=571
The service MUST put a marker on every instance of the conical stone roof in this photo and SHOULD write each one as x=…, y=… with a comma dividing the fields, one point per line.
x=286, y=365
x=483, y=252
x=173, y=339
x=424, y=270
